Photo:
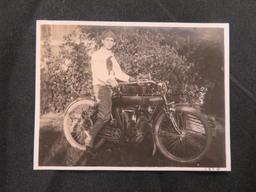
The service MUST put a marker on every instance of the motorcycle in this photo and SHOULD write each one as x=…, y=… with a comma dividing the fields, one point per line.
x=180, y=132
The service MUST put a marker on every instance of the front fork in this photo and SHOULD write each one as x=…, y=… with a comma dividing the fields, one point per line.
x=154, y=147
x=169, y=110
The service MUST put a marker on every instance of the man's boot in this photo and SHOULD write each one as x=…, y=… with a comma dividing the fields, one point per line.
x=93, y=132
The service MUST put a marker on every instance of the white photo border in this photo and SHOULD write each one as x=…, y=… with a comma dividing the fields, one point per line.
x=225, y=26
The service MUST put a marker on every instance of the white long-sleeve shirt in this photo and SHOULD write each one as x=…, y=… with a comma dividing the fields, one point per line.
x=100, y=72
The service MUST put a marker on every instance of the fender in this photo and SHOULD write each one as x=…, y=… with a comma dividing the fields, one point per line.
x=178, y=107
x=187, y=107
x=196, y=109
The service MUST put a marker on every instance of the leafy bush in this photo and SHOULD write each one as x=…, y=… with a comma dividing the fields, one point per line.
x=68, y=76
x=168, y=56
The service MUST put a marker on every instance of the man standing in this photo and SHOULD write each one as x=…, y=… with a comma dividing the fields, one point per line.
x=105, y=71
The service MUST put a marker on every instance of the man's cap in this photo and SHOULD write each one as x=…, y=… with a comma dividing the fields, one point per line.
x=106, y=34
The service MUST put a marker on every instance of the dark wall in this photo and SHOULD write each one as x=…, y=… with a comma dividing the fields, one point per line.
x=17, y=73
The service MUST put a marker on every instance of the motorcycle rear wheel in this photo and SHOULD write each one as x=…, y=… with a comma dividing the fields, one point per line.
x=78, y=120
x=189, y=141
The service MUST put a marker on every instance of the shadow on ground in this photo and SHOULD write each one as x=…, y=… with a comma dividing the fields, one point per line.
x=55, y=151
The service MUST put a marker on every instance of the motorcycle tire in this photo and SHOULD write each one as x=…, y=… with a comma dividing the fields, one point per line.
x=189, y=141
x=78, y=118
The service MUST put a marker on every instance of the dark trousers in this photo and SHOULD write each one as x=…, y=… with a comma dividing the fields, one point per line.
x=103, y=96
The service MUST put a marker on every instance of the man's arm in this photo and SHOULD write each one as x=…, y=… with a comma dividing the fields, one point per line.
x=119, y=74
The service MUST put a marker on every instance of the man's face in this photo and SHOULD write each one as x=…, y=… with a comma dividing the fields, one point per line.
x=108, y=43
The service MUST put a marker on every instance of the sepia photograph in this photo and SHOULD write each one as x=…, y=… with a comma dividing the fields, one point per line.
x=132, y=96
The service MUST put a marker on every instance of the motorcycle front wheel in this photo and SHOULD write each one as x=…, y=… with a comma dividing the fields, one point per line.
x=78, y=120
x=183, y=135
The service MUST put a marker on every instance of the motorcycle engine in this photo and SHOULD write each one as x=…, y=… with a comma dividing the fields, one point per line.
x=134, y=132
x=130, y=118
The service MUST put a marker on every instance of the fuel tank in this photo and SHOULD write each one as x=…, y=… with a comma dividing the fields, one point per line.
x=137, y=100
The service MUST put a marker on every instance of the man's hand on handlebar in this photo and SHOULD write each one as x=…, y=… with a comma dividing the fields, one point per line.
x=112, y=82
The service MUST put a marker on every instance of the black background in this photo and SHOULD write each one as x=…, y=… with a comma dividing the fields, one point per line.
x=17, y=88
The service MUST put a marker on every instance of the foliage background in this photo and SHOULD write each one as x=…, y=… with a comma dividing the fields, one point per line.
x=189, y=60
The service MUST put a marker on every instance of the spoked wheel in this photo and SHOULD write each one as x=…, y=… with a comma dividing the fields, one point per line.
x=183, y=136
x=78, y=120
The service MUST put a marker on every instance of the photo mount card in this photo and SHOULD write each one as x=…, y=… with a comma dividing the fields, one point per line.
x=132, y=96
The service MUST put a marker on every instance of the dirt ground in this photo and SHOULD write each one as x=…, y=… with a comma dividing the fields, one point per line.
x=55, y=151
